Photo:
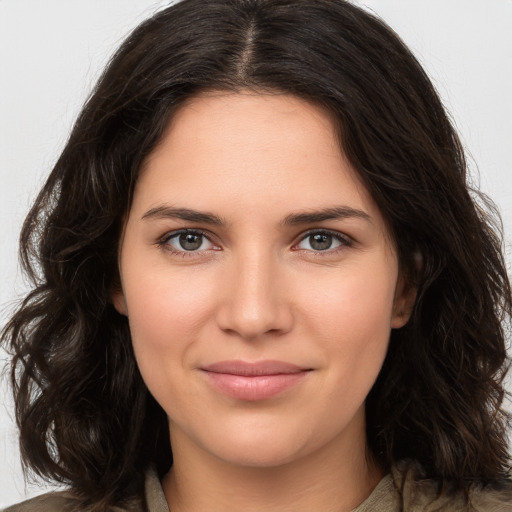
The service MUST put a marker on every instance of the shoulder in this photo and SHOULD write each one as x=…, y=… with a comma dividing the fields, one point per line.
x=496, y=498
x=66, y=501
x=62, y=501
x=50, y=502
x=418, y=493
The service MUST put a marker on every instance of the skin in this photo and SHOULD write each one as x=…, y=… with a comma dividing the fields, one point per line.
x=258, y=288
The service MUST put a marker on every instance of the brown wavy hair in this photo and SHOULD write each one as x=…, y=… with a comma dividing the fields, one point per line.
x=84, y=413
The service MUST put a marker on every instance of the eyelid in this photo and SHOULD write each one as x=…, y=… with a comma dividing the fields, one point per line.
x=162, y=242
x=346, y=241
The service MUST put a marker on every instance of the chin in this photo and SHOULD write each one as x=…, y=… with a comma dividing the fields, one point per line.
x=260, y=456
x=269, y=446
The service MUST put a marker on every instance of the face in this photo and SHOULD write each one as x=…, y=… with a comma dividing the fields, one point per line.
x=259, y=280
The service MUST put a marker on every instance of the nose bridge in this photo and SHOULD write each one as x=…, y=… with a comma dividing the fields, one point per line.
x=256, y=303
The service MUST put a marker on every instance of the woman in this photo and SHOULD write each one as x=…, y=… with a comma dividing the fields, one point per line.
x=260, y=280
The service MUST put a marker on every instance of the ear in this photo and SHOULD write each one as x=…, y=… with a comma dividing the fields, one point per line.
x=118, y=300
x=403, y=304
x=405, y=295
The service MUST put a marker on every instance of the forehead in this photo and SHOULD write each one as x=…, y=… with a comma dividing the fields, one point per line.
x=246, y=151
x=250, y=121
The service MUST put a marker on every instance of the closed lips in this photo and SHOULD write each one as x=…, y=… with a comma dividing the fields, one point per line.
x=253, y=381
x=254, y=369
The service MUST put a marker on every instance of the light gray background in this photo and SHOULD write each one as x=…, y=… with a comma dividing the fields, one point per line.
x=52, y=51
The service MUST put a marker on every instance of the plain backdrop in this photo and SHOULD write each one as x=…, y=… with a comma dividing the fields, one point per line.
x=52, y=51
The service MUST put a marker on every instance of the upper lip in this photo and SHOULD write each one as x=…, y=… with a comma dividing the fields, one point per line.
x=251, y=369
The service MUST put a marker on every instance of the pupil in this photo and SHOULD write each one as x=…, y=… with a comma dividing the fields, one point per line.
x=190, y=242
x=321, y=242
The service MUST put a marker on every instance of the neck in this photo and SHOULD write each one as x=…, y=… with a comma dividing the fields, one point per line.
x=329, y=480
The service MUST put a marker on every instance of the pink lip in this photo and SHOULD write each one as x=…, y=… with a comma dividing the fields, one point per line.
x=253, y=381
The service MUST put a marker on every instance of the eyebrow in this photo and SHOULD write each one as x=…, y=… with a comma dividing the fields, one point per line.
x=169, y=212
x=294, y=219
x=334, y=213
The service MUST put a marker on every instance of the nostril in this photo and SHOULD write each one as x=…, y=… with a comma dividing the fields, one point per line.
x=250, y=325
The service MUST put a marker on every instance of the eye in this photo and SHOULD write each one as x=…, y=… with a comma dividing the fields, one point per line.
x=319, y=241
x=186, y=241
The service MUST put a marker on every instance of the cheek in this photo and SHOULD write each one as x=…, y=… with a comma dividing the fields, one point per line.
x=359, y=299
x=165, y=311
x=352, y=318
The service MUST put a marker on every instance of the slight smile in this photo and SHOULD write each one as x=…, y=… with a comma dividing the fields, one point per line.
x=253, y=381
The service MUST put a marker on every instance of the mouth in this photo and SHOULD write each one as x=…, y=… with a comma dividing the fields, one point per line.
x=254, y=381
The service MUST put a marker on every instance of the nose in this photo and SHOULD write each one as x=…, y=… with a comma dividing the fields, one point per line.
x=255, y=300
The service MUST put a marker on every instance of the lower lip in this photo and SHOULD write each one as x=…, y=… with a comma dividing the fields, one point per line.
x=253, y=388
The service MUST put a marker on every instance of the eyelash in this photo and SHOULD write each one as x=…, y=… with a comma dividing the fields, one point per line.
x=344, y=241
x=163, y=243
